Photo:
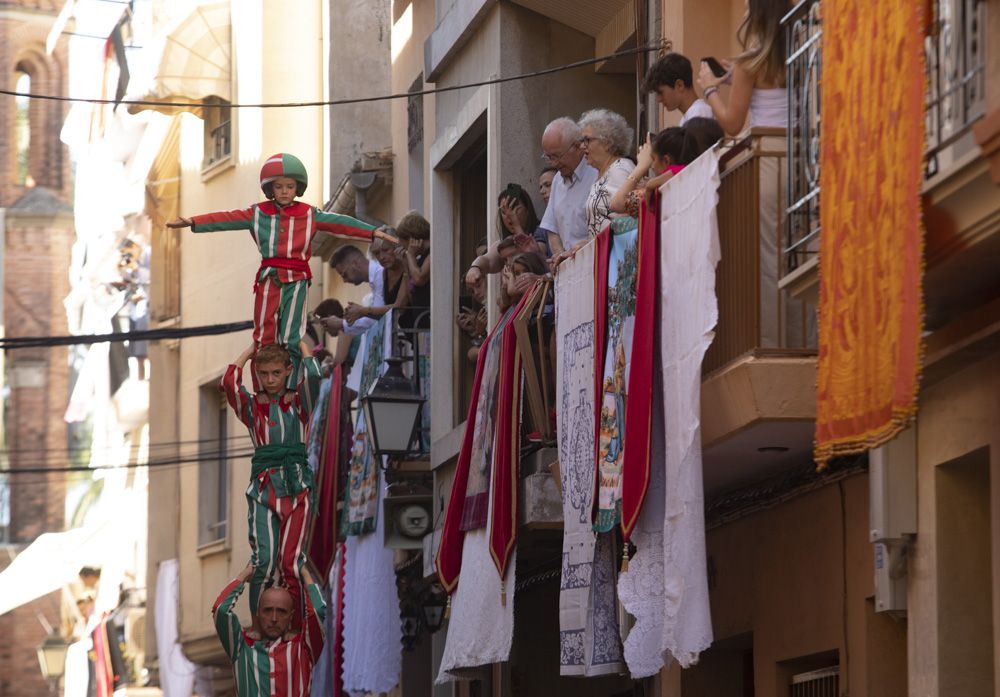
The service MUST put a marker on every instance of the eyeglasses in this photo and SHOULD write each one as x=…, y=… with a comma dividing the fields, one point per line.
x=555, y=158
x=586, y=140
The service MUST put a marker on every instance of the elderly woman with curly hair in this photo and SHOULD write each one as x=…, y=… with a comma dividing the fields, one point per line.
x=606, y=140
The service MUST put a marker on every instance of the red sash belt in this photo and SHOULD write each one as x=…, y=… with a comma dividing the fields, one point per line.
x=300, y=265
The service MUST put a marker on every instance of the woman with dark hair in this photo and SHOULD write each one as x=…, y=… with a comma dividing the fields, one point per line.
x=517, y=225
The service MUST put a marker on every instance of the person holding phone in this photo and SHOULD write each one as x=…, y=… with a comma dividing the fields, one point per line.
x=670, y=78
x=757, y=76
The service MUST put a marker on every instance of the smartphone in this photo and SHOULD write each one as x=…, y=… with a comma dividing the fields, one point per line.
x=715, y=66
x=467, y=302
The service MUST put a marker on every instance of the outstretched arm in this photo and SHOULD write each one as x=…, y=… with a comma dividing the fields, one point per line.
x=344, y=226
x=180, y=223
x=215, y=222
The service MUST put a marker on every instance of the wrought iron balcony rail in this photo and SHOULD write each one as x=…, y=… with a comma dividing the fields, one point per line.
x=956, y=77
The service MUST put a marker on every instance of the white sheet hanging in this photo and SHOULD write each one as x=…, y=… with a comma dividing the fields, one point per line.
x=666, y=586
x=176, y=671
x=372, y=629
x=481, y=628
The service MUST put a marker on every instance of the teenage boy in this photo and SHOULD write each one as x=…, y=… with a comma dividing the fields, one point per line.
x=280, y=494
x=670, y=79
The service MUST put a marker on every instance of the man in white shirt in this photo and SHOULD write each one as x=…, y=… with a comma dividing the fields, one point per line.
x=355, y=268
x=566, y=215
x=670, y=78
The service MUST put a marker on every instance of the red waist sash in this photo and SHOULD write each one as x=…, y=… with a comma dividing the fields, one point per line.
x=300, y=265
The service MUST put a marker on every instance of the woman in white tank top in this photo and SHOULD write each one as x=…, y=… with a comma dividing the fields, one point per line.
x=757, y=75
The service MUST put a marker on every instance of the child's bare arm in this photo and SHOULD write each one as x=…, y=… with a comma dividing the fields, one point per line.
x=180, y=222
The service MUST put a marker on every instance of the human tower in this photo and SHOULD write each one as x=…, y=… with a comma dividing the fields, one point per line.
x=275, y=655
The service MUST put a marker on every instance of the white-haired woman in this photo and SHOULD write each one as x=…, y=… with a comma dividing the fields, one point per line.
x=606, y=139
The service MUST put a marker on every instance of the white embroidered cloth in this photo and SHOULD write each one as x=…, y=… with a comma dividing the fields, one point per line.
x=666, y=587
x=481, y=628
x=372, y=629
x=589, y=644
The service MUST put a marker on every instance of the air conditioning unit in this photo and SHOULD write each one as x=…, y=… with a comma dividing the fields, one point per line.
x=892, y=477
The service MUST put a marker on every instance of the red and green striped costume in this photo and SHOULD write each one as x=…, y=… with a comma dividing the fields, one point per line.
x=277, y=668
x=284, y=237
x=280, y=493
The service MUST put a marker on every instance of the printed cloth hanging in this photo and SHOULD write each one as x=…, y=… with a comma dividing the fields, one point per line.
x=363, y=477
x=666, y=586
x=484, y=430
x=871, y=249
x=502, y=488
x=324, y=449
x=617, y=261
x=589, y=644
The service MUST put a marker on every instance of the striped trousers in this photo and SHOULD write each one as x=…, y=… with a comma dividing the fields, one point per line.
x=277, y=527
x=279, y=317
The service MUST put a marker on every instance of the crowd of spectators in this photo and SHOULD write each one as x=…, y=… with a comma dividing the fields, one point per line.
x=592, y=175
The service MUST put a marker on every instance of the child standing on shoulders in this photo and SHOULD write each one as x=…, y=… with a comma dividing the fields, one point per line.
x=280, y=494
x=283, y=230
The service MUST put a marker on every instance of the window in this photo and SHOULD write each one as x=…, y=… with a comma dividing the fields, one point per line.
x=470, y=178
x=213, y=466
x=217, y=114
x=22, y=127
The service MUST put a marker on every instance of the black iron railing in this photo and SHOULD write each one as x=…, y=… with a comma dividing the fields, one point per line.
x=956, y=75
x=803, y=34
x=956, y=87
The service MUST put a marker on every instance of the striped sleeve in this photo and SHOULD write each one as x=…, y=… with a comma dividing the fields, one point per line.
x=227, y=624
x=223, y=220
x=315, y=616
x=239, y=399
x=309, y=384
x=342, y=225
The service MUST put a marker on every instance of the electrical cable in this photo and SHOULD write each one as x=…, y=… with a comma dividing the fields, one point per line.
x=152, y=464
x=23, y=342
x=354, y=100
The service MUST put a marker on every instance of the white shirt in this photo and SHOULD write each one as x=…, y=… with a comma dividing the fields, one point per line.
x=566, y=214
x=376, y=279
x=699, y=109
x=601, y=192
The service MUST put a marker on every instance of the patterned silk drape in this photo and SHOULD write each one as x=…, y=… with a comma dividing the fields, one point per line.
x=870, y=311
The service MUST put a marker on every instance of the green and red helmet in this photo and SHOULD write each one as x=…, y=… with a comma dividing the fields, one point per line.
x=283, y=165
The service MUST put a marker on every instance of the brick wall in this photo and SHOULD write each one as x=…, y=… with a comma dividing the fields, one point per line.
x=22, y=632
x=36, y=262
x=24, y=27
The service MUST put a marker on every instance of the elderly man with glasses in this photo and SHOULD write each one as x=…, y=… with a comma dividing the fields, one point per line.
x=566, y=214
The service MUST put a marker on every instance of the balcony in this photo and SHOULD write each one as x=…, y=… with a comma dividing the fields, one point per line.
x=758, y=388
x=960, y=202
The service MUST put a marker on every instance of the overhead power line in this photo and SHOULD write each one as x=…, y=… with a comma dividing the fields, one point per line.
x=649, y=48
x=23, y=342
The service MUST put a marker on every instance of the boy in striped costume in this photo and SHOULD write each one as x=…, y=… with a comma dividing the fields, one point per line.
x=283, y=230
x=271, y=659
x=280, y=494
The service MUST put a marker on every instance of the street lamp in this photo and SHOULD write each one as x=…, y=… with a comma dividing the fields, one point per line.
x=392, y=411
x=433, y=608
x=52, y=656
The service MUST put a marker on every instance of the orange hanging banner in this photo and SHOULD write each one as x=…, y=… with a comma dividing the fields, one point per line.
x=870, y=309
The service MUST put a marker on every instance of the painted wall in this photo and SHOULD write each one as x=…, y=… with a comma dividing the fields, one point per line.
x=781, y=576
x=952, y=611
